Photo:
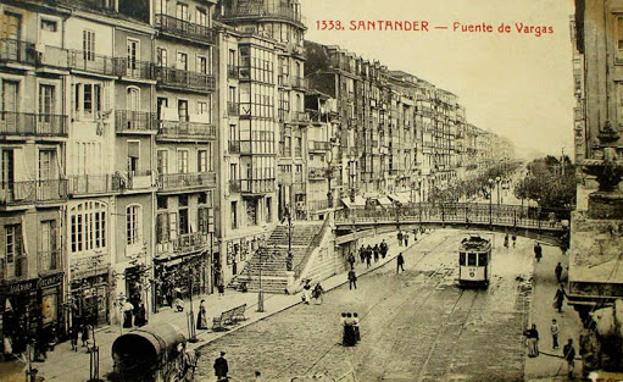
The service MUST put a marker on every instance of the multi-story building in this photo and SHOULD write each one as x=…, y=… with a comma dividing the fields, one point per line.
x=578, y=87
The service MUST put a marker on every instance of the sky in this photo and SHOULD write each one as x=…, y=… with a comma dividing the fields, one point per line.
x=515, y=84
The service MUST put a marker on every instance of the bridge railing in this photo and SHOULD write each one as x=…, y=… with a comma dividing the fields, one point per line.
x=468, y=213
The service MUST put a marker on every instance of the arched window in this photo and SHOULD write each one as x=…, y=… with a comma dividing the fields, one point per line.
x=133, y=99
x=88, y=226
x=133, y=224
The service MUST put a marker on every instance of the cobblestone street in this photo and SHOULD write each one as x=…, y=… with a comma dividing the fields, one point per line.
x=414, y=326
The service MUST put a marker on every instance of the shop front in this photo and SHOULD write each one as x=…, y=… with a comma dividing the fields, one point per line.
x=90, y=297
x=182, y=276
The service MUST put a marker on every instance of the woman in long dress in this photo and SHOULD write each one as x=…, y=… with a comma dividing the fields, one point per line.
x=202, y=321
x=349, y=338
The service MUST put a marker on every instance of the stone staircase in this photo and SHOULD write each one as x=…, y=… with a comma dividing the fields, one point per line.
x=271, y=259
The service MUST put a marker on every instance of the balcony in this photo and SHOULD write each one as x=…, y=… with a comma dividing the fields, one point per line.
x=319, y=146
x=234, y=186
x=254, y=11
x=257, y=186
x=134, y=122
x=301, y=116
x=183, y=130
x=232, y=72
x=49, y=261
x=184, y=80
x=184, y=181
x=137, y=180
x=102, y=5
x=185, y=243
x=90, y=62
x=139, y=70
x=299, y=83
x=283, y=80
x=316, y=173
x=14, y=271
x=22, y=52
x=85, y=185
x=31, y=191
x=185, y=29
x=32, y=124
x=234, y=147
x=233, y=109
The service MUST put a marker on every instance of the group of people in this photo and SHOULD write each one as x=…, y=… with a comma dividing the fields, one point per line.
x=506, y=240
x=369, y=253
x=310, y=293
x=351, y=334
x=134, y=315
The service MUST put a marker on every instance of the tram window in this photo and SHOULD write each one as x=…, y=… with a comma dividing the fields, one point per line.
x=482, y=259
x=471, y=259
x=461, y=258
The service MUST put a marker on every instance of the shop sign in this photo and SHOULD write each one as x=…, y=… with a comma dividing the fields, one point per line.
x=22, y=286
x=51, y=281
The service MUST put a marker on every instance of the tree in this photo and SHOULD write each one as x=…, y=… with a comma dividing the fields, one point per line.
x=548, y=182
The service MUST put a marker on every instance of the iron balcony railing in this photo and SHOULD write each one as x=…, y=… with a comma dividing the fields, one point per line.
x=185, y=29
x=32, y=191
x=186, y=130
x=260, y=10
x=234, y=147
x=49, y=261
x=172, y=182
x=234, y=186
x=130, y=121
x=232, y=72
x=317, y=146
x=32, y=124
x=18, y=51
x=183, y=79
x=94, y=184
x=15, y=270
x=299, y=83
x=90, y=62
x=184, y=243
x=257, y=186
x=233, y=108
x=283, y=80
x=301, y=116
x=129, y=68
x=104, y=5
x=316, y=173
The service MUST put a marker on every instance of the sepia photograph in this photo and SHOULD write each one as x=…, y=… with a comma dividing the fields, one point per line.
x=311, y=190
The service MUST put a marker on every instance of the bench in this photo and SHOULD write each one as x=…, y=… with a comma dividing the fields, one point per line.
x=229, y=317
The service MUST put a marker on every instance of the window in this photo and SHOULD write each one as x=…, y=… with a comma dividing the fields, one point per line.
x=162, y=162
x=88, y=226
x=49, y=25
x=202, y=161
x=471, y=259
x=182, y=61
x=233, y=171
x=231, y=58
x=47, y=163
x=162, y=58
x=462, y=258
x=269, y=210
x=88, y=99
x=619, y=48
x=133, y=157
x=182, y=110
x=10, y=96
x=482, y=259
x=201, y=17
x=202, y=65
x=133, y=53
x=132, y=99
x=182, y=161
x=46, y=101
x=202, y=108
x=182, y=11
x=234, y=215
x=203, y=219
x=162, y=202
x=13, y=242
x=183, y=213
x=162, y=103
x=88, y=45
x=133, y=223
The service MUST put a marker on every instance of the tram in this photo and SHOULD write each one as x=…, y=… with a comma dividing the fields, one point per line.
x=474, y=261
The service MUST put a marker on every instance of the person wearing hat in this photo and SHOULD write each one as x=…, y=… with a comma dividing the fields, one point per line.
x=221, y=368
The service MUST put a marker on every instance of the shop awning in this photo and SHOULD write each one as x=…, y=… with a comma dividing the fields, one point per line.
x=358, y=203
x=384, y=201
x=399, y=199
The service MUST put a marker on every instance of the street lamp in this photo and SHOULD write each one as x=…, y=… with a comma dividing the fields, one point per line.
x=498, y=180
x=260, y=292
x=191, y=319
x=491, y=186
x=329, y=178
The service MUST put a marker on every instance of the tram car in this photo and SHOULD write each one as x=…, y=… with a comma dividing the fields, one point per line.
x=474, y=262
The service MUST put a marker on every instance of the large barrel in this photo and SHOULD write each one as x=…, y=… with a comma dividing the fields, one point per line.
x=145, y=350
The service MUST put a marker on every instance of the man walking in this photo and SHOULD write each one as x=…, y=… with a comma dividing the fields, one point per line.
x=352, y=279
x=400, y=262
x=221, y=368
x=555, y=329
x=351, y=260
x=569, y=353
x=399, y=237
x=406, y=238
x=558, y=272
x=559, y=298
x=538, y=252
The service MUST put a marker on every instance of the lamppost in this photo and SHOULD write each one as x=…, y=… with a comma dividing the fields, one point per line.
x=329, y=178
x=491, y=187
x=498, y=180
x=260, y=292
x=192, y=333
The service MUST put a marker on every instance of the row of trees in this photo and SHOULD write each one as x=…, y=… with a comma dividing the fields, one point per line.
x=550, y=182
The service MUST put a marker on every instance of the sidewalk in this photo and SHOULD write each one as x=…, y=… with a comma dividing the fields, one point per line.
x=547, y=366
x=66, y=365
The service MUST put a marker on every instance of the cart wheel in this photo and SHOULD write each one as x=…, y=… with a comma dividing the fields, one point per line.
x=171, y=376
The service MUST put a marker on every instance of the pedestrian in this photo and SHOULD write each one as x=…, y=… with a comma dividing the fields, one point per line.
x=555, y=329
x=317, y=293
x=532, y=336
x=352, y=279
x=400, y=262
x=86, y=331
x=368, y=258
x=351, y=260
x=306, y=297
x=362, y=254
x=202, y=319
x=399, y=237
x=73, y=337
x=141, y=316
x=506, y=240
x=178, y=302
x=221, y=289
x=128, y=313
x=568, y=352
x=514, y=239
x=558, y=272
x=559, y=298
x=538, y=252
x=356, y=327
x=406, y=238
x=221, y=368
x=384, y=249
x=377, y=252
x=348, y=336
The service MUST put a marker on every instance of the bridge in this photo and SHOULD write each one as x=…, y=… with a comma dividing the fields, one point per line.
x=549, y=225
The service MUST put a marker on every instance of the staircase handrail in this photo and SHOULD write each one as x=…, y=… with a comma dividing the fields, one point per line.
x=315, y=242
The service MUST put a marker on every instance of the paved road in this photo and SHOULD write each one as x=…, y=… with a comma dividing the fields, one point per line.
x=416, y=326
